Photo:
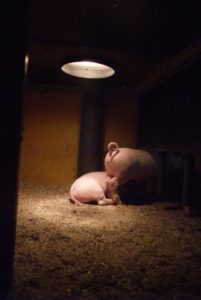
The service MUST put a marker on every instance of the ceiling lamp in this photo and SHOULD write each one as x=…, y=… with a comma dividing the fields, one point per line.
x=88, y=69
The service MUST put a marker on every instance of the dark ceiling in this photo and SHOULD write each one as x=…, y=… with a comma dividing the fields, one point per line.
x=134, y=36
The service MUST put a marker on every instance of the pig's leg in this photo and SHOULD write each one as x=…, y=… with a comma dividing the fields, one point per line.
x=108, y=187
x=105, y=201
x=112, y=184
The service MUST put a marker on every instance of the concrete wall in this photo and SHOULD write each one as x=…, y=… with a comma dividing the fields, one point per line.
x=51, y=121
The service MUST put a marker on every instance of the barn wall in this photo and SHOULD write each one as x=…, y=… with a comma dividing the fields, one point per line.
x=50, y=136
x=51, y=126
x=170, y=113
x=121, y=121
x=170, y=122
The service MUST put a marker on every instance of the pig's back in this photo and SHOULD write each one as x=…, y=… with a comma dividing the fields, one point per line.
x=88, y=187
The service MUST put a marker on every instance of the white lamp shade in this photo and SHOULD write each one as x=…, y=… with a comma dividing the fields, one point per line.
x=88, y=69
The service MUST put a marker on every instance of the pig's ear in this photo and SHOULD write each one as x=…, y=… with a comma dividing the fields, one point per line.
x=113, y=146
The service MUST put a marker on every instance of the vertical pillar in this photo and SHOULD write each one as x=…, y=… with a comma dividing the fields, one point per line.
x=162, y=172
x=91, y=131
x=13, y=44
x=189, y=167
x=10, y=107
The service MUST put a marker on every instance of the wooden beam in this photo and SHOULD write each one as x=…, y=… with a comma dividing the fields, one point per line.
x=171, y=67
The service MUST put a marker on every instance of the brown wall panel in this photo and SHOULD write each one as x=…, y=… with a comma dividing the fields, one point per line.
x=121, y=121
x=50, y=137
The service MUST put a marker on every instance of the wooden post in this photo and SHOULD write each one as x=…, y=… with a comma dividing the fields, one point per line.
x=13, y=45
x=91, y=131
x=189, y=166
x=161, y=185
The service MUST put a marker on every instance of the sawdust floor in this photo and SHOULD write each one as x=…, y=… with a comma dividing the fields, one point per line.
x=148, y=251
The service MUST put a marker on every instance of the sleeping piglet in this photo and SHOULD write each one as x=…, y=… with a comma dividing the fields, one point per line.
x=123, y=164
x=90, y=187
